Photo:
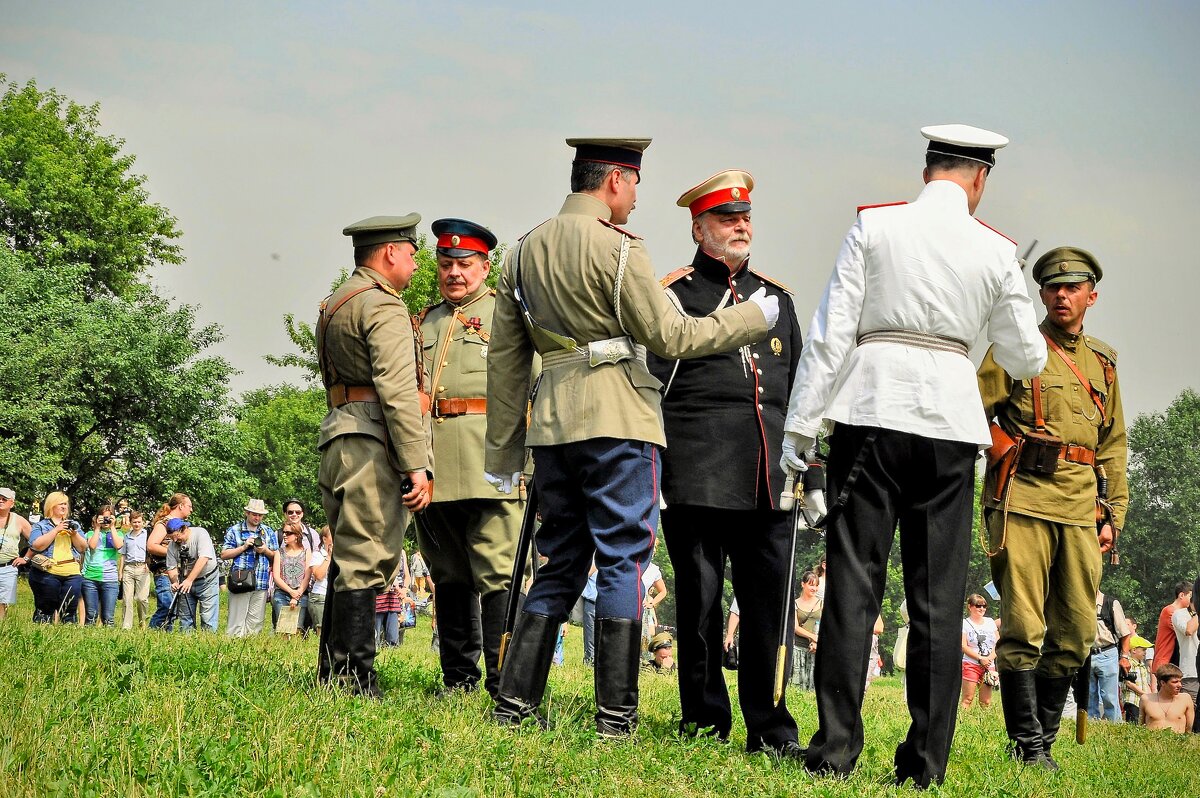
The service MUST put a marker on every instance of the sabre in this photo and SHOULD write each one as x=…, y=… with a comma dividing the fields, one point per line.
x=1024, y=259
x=789, y=499
x=524, y=543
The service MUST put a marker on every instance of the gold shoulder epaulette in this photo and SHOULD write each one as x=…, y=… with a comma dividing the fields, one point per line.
x=771, y=281
x=387, y=289
x=677, y=275
x=618, y=228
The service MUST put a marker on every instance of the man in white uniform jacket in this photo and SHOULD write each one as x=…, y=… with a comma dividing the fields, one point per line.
x=886, y=359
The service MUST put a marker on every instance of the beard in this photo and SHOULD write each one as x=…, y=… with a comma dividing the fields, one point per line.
x=731, y=250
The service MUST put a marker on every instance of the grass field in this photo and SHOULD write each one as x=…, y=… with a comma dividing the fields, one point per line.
x=99, y=712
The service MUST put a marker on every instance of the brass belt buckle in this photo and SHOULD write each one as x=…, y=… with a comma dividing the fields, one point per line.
x=611, y=350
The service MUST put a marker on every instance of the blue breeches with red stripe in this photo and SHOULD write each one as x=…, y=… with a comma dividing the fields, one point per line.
x=597, y=498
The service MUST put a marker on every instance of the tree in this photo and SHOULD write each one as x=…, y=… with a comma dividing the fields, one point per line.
x=1160, y=544
x=68, y=198
x=98, y=391
x=277, y=430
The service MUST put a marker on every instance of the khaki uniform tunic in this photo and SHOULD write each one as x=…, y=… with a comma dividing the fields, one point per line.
x=1050, y=567
x=367, y=447
x=469, y=534
x=568, y=275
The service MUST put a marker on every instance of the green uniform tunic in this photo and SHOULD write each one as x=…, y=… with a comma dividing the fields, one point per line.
x=1049, y=569
x=368, y=447
x=469, y=534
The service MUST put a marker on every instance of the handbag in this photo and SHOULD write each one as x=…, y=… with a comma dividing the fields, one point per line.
x=730, y=660
x=409, y=619
x=41, y=562
x=241, y=580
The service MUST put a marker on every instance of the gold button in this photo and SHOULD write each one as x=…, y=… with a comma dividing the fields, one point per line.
x=445, y=363
x=441, y=389
x=440, y=419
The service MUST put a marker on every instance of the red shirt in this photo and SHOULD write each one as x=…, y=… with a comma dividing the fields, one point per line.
x=1164, y=643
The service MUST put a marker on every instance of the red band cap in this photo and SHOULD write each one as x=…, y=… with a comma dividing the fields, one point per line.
x=454, y=241
x=718, y=197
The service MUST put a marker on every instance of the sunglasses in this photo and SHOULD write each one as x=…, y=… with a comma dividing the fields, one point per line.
x=293, y=512
x=980, y=606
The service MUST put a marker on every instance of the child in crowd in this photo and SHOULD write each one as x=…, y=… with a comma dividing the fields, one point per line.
x=135, y=576
x=1137, y=683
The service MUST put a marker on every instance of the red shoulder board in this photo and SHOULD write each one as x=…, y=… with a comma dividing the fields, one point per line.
x=677, y=275
x=862, y=208
x=997, y=232
x=620, y=230
x=771, y=281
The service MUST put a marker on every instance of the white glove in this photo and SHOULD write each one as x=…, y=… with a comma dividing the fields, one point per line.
x=795, y=446
x=768, y=304
x=502, y=482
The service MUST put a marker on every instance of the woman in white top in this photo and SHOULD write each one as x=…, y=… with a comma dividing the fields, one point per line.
x=979, y=635
x=655, y=591
x=318, y=561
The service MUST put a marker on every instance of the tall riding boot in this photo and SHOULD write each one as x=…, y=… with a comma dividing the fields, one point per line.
x=493, y=607
x=1051, y=698
x=331, y=652
x=1018, y=695
x=353, y=620
x=526, y=667
x=458, y=651
x=617, y=648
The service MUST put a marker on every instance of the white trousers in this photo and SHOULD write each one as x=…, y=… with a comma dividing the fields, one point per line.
x=246, y=613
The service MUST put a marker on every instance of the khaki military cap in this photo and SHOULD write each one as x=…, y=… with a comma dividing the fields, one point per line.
x=383, y=229
x=964, y=141
x=618, y=152
x=661, y=640
x=724, y=192
x=1066, y=265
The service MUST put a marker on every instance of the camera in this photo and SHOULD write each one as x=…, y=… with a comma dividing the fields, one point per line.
x=256, y=542
x=105, y=520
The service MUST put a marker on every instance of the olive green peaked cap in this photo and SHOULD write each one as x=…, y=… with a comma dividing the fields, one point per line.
x=1066, y=265
x=383, y=229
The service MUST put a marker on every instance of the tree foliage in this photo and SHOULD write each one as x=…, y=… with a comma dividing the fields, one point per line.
x=277, y=429
x=1160, y=544
x=68, y=198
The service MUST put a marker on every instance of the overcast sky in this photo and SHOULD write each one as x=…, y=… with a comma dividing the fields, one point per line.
x=267, y=127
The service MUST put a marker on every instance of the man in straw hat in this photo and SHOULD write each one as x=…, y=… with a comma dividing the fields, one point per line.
x=886, y=360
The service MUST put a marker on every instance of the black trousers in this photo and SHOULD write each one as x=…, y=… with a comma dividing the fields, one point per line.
x=757, y=544
x=927, y=486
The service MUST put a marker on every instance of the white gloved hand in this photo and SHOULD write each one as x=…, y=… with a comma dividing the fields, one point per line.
x=502, y=482
x=795, y=446
x=768, y=304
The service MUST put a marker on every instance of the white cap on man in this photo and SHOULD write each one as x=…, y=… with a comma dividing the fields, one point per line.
x=964, y=141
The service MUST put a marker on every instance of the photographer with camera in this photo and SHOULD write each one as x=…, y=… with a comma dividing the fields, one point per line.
x=14, y=536
x=56, y=545
x=191, y=552
x=101, y=583
x=251, y=545
x=179, y=506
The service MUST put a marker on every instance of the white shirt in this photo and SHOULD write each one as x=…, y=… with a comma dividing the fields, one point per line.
x=649, y=576
x=318, y=587
x=926, y=266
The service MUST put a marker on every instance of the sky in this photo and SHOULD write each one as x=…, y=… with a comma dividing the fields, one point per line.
x=266, y=128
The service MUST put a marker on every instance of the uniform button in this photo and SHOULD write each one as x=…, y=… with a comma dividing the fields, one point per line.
x=760, y=389
x=440, y=419
x=760, y=407
x=445, y=363
x=759, y=371
x=756, y=355
x=441, y=389
x=741, y=297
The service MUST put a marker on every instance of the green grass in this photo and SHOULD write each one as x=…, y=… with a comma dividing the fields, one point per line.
x=111, y=713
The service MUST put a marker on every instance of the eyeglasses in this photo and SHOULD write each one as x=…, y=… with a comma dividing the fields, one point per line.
x=293, y=512
x=979, y=606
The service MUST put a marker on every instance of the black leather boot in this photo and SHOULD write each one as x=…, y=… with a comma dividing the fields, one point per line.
x=331, y=653
x=493, y=607
x=457, y=649
x=1051, y=698
x=526, y=667
x=617, y=664
x=1018, y=695
x=352, y=641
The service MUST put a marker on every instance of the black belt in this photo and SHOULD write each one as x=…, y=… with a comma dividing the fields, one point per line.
x=6, y=564
x=1102, y=649
x=135, y=562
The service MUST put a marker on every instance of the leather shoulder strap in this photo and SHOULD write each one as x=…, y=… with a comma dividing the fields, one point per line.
x=1087, y=385
x=1039, y=420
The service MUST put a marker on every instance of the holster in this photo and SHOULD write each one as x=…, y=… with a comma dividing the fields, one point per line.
x=1001, y=457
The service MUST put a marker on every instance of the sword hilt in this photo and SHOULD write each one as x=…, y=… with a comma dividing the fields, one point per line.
x=787, y=499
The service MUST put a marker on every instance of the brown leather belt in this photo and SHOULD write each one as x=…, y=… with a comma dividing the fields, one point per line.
x=340, y=395
x=444, y=408
x=1077, y=454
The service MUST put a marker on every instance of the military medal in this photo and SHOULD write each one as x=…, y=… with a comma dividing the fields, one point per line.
x=777, y=347
x=483, y=352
